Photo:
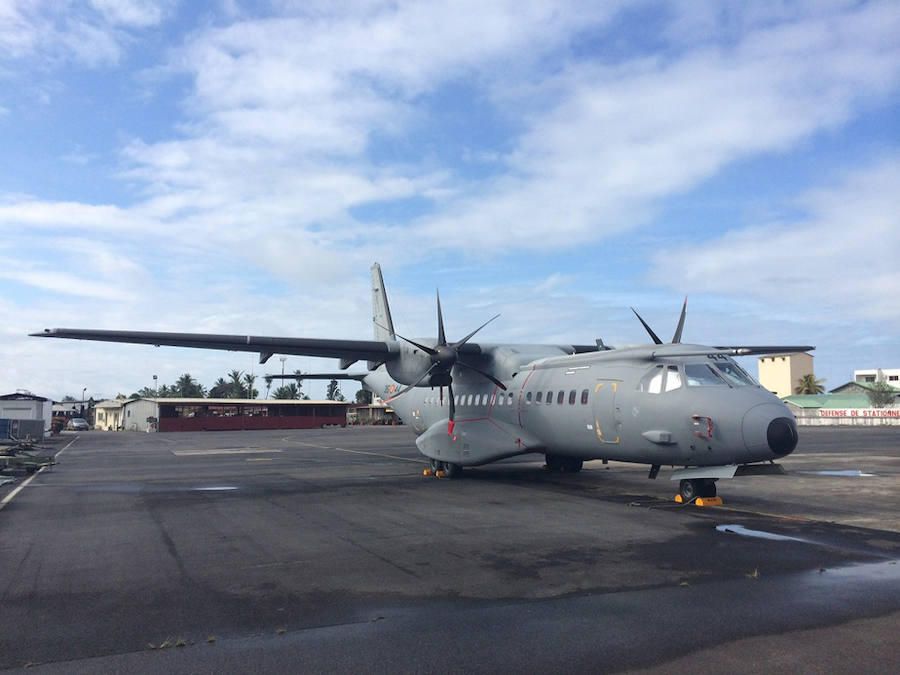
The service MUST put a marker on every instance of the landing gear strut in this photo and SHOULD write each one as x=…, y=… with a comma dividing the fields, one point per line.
x=696, y=487
x=445, y=469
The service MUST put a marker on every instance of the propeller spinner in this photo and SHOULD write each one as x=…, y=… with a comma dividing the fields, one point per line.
x=444, y=356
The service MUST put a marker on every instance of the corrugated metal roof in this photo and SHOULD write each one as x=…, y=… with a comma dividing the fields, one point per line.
x=828, y=400
x=241, y=401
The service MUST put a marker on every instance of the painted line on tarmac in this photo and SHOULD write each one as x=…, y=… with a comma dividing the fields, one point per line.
x=8, y=498
x=360, y=452
x=224, y=451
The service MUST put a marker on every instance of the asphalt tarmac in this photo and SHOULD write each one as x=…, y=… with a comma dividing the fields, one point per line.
x=329, y=551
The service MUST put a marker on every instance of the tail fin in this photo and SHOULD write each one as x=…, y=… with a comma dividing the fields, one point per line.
x=381, y=312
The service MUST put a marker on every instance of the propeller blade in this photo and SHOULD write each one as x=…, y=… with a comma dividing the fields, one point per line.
x=424, y=348
x=677, y=338
x=483, y=374
x=466, y=339
x=653, y=335
x=442, y=337
x=413, y=385
x=452, y=403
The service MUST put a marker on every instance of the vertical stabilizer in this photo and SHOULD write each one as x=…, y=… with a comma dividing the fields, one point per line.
x=381, y=312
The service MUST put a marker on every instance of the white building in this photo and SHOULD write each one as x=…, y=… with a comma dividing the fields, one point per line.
x=27, y=406
x=889, y=375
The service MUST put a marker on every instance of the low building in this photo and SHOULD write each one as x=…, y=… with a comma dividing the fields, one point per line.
x=223, y=414
x=851, y=409
x=857, y=387
x=780, y=373
x=872, y=375
x=109, y=414
x=26, y=406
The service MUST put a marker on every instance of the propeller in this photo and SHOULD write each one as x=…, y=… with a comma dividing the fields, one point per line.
x=444, y=356
x=676, y=339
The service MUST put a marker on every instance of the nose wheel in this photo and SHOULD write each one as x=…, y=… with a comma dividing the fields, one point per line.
x=696, y=487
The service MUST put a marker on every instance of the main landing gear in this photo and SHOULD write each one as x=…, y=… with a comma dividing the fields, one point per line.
x=563, y=464
x=441, y=469
x=690, y=490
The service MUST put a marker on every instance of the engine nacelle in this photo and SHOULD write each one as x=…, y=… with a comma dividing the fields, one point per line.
x=409, y=363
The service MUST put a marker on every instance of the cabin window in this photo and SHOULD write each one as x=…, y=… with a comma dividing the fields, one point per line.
x=701, y=375
x=469, y=399
x=572, y=397
x=456, y=399
x=560, y=397
x=584, y=396
x=539, y=398
x=484, y=399
x=549, y=397
x=528, y=398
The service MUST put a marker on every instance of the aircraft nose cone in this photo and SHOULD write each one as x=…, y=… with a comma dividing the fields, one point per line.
x=782, y=436
x=769, y=431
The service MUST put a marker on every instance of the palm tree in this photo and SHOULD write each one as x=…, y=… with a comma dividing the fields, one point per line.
x=237, y=388
x=808, y=384
x=220, y=389
x=287, y=391
x=250, y=391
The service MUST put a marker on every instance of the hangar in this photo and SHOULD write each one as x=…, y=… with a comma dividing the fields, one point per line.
x=224, y=414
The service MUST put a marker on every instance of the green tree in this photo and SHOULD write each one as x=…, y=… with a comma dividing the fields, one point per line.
x=220, y=389
x=68, y=399
x=364, y=396
x=187, y=387
x=237, y=386
x=333, y=393
x=881, y=394
x=250, y=392
x=288, y=391
x=808, y=384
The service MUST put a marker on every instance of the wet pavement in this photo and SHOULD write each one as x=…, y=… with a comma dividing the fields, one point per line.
x=327, y=550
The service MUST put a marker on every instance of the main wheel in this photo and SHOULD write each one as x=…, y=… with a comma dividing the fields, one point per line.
x=452, y=470
x=708, y=487
x=553, y=463
x=689, y=490
x=572, y=465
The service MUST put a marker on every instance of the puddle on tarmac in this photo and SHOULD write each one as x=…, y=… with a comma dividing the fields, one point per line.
x=842, y=472
x=759, y=534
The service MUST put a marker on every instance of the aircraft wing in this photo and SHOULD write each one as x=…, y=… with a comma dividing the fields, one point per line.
x=740, y=350
x=346, y=350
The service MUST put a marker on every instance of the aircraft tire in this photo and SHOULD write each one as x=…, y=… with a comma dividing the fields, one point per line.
x=452, y=470
x=697, y=487
x=571, y=465
x=708, y=487
x=553, y=463
x=688, y=489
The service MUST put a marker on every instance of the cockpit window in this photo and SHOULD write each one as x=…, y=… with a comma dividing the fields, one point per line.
x=673, y=378
x=701, y=375
x=652, y=382
x=733, y=373
x=661, y=379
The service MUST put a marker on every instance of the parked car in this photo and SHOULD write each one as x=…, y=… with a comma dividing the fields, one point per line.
x=78, y=424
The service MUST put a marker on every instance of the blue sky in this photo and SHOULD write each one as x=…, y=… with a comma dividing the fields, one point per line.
x=235, y=167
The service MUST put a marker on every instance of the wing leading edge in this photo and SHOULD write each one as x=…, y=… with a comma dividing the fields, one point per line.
x=346, y=350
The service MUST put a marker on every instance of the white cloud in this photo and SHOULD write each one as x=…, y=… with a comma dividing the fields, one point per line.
x=839, y=262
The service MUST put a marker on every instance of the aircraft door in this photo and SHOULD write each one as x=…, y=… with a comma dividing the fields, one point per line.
x=607, y=425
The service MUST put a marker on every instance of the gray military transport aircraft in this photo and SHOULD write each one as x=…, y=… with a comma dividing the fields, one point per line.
x=672, y=404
